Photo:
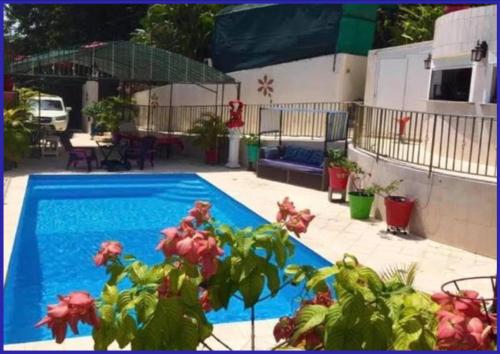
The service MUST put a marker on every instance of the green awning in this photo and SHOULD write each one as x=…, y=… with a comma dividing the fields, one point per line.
x=119, y=60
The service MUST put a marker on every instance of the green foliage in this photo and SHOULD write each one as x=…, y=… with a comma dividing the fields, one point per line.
x=254, y=260
x=251, y=139
x=109, y=113
x=338, y=158
x=34, y=28
x=404, y=274
x=139, y=317
x=182, y=28
x=372, y=312
x=207, y=130
x=17, y=126
x=159, y=307
x=404, y=24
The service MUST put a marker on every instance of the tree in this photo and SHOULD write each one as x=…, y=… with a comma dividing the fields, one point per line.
x=404, y=24
x=184, y=29
x=31, y=29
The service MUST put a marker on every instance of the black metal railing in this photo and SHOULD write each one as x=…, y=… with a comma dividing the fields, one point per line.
x=464, y=144
x=180, y=119
x=458, y=143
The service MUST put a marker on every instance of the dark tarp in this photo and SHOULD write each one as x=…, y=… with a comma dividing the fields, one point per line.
x=250, y=36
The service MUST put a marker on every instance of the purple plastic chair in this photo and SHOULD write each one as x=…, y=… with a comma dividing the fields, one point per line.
x=77, y=155
x=144, y=150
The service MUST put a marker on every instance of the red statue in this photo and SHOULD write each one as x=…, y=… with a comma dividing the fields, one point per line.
x=236, y=120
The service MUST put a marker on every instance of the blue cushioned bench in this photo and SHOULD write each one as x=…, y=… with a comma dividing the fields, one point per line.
x=293, y=164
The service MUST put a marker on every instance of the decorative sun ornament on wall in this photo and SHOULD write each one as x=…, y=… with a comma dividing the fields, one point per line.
x=265, y=86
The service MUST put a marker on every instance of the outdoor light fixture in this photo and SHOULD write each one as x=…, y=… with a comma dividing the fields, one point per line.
x=479, y=51
x=427, y=62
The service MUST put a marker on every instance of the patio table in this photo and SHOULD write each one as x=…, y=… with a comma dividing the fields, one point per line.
x=107, y=148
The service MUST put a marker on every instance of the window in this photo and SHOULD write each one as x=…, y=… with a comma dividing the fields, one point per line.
x=47, y=105
x=450, y=84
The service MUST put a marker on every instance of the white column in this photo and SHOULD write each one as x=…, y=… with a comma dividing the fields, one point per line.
x=234, y=148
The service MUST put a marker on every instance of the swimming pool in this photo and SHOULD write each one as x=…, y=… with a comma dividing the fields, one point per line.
x=66, y=217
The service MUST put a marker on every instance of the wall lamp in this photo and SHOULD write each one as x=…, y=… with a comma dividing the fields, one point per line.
x=479, y=51
x=427, y=62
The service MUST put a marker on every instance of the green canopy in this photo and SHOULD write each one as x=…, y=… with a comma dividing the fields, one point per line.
x=119, y=60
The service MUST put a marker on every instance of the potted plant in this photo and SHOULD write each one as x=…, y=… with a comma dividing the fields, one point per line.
x=361, y=198
x=207, y=131
x=252, y=142
x=108, y=114
x=397, y=208
x=339, y=168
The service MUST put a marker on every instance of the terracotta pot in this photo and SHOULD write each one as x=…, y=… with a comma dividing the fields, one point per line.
x=398, y=211
x=338, y=177
x=211, y=156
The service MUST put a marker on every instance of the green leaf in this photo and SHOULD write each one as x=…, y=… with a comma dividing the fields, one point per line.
x=320, y=276
x=107, y=313
x=138, y=273
x=309, y=317
x=189, y=292
x=125, y=300
x=163, y=328
x=273, y=280
x=103, y=336
x=280, y=252
x=145, y=306
x=251, y=288
x=126, y=331
x=248, y=265
x=374, y=282
x=110, y=294
x=189, y=334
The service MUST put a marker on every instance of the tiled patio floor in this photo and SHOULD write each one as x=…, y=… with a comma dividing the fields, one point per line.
x=331, y=234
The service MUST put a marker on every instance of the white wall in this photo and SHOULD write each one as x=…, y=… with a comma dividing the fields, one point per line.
x=189, y=95
x=396, y=77
x=453, y=210
x=307, y=80
x=90, y=93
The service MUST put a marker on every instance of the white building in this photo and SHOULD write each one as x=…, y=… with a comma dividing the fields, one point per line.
x=454, y=84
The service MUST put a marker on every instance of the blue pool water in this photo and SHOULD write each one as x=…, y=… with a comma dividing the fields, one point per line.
x=65, y=218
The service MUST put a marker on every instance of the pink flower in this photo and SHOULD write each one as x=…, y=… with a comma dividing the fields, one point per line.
x=201, y=212
x=299, y=222
x=286, y=208
x=109, y=250
x=187, y=227
x=77, y=306
x=169, y=244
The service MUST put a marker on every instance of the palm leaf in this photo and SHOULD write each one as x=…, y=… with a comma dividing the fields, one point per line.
x=404, y=273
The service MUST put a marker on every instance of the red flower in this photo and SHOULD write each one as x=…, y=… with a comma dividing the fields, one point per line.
x=198, y=247
x=286, y=208
x=77, y=306
x=201, y=212
x=284, y=328
x=299, y=222
x=109, y=250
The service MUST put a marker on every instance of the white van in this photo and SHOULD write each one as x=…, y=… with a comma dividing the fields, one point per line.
x=52, y=111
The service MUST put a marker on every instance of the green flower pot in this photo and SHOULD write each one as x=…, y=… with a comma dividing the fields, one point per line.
x=252, y=153
x=360, y=205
